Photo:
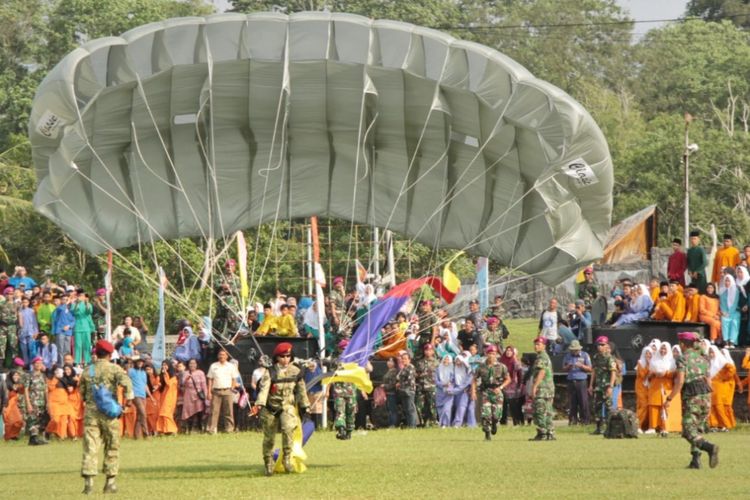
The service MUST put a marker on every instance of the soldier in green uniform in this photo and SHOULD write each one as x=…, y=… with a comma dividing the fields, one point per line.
x=344, y=403
x=542, y=393
x=424, y=398
x=495, y=333
x=603, y=378
x=491, y=378
x=8, y=319
x=588, y=291
x=429, y=326
x=227, y=288
x=33, y=402
x=692, y=382
x=338, y=295
x=99, y=428
x=281, y=390
x=406, y=386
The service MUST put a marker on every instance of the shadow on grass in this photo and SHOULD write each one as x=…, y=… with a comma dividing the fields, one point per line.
x=216, y=471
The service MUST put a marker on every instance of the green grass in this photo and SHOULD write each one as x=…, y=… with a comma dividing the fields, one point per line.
x=522, y=333
x=423, y=463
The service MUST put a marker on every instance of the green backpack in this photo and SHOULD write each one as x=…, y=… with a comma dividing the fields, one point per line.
x=621, y=424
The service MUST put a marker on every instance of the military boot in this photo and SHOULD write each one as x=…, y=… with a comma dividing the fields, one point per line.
x=487, y=436
x=288, y=464
x=713, y=453
x=88, y=484
x=551, y=436
x=110, y=486
x=348, y=434
x=340, y=433
x=598, y=429
x=540, y=436
x=695, y=463
x=269, y=466
x=494, y=427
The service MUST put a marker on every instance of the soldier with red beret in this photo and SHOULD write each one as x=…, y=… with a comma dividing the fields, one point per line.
x=281, y=395
x=491, y=378
x=542, y=392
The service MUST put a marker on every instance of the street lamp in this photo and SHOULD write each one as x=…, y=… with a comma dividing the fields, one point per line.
x=690, y=148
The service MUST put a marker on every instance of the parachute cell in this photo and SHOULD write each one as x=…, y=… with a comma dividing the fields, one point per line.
x=205, y=126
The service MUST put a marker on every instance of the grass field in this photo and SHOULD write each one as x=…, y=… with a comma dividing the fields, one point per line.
x=423, y=463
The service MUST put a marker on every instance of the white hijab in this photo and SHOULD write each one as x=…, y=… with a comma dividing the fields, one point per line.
x=717, y=363
x=310, y=316
x=445, y=372
x=731, y=290
x=642, y=360
x=728, y=356
x=662, y=364
x=705, y=346
x=676, y=351
x=654, y=345
x=461, y=370
x=742, y=279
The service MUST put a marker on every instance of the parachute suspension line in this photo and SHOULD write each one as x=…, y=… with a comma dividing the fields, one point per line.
x=282, y=116
x=163, y=143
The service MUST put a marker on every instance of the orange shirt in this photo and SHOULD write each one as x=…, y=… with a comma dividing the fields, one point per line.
x=692, y=308
x=725, y=257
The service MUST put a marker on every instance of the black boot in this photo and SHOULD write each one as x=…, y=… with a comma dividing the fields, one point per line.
x=88, y=485
x=340, y=433
x=348, y=434
x=110, y=486
x=598, y=429
x=540, y=436
x=551, y=436
x=487, y=436
x=494, y=427
x=713, y=453
x=695, y=463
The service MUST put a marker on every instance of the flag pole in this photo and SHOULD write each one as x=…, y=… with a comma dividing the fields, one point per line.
x=108, y=298
x=320, y=281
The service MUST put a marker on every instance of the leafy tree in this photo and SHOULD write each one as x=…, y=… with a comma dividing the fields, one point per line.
x=736, y=11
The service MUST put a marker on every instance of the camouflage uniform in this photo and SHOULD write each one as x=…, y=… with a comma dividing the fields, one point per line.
x=696, y=404
x=8, y=335
x=226, y=320
x=588, y=292
x=545, y=394
x=489, y=378
x=425, y=394
x=97, y=427
x=407, y=380
x=603, y=365
x=494, y=337
x=337, y=298
x=345, y=404
x=426, y=323
x=281, y=390
x=35, y=392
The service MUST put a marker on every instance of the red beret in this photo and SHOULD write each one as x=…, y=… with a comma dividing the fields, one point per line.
x=104, y=346
x=540, y=340
x=602, y=339
x=427, y=347
x=282, y=348
x=37, y=359
x=342, y=345
x=490, y=348
x=688, y=336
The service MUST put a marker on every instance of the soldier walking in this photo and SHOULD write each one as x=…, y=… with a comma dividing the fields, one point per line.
x=424, y=398
x=542, y=393
x=491, y=378
x=692, y=383
x=282, y=389
x=602, y=381
x=344, y=403
x=99, y=428
x=33, y=402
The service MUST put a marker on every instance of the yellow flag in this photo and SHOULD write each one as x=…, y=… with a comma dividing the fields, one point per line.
x=352, y=373
x=450, y=280
x=242, y=257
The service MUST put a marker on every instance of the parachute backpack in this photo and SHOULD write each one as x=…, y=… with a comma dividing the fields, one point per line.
x=622, y=424
x=105, y=401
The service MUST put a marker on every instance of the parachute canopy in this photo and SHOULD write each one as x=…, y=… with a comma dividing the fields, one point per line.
x=205, y=126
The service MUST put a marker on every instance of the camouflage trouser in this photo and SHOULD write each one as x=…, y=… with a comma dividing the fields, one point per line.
x=99, y=430
x=283, y=421
x=345, y=408
x=426, y=405
x=34, y=421
x=3, y=343
x=492, y=408
x=695, y=411
x=602, y=405
x=8, y=343
x=543, y=414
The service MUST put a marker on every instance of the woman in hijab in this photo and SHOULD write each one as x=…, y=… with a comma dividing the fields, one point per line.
x=743, y=283
x=444, y=384
x=729, y=303
x=193, y=397
x=662, y=370
x=722, y=372
x=152, y=403
x=464, y=406
x=12, y=417
x=640, y=308
x=708, y=311
x=61, y=413
x=165, y=423
x=641, y=387
x=513, y=400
